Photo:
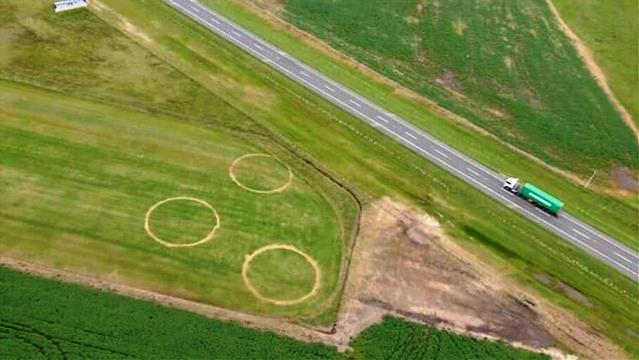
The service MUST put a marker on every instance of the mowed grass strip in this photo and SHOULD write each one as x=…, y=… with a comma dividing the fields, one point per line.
x=77, y=53
x=78, y=178
x=506, y=66
x=612, y=215
x=374, y=166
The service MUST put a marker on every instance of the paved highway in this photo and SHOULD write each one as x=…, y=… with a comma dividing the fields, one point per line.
x=482, y=178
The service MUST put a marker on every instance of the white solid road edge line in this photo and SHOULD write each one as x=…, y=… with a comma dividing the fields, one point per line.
x=602, y=236
x=423, y=151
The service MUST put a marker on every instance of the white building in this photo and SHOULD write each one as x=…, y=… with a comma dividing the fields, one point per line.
x=65, y=5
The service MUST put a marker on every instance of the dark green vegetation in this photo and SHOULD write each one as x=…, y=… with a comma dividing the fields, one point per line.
x=374, y=165
x=350, y=151
x=611, y=30
x=46, y=319
x=608, y=214
x=506, y=66
x=89, y=173
x=396, y=339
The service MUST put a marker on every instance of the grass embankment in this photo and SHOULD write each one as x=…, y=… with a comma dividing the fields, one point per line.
x=610, y=29
x=506, y=66
x=375, y=166
x=613, y=216
x=79, y=54
x=78, y=178
x=42, y=318
x=359, y=155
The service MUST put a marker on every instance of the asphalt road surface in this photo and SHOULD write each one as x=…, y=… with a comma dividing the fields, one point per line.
x=567, y=227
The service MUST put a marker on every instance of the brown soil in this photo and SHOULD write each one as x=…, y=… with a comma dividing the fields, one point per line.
x=624, y=179
x=595, y=70
x=405, y=266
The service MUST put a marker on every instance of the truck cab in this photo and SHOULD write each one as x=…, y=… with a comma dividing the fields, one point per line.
x=511, y=184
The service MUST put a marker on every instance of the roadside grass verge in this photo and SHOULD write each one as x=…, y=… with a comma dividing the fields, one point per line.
x=78, y=177
x=77, y=53
x=609, y=214
x=374, y=165
x=505, y=66
x=610, y=29
x=45, y=318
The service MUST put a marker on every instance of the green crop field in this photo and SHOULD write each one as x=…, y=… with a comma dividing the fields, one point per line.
x=41, y=318
x=397, y=339
x=240, y=92
x=611, y=30
x=88, y=174
x=611, y=215
x=374, y=165
x=45, y=319
x=506, y=66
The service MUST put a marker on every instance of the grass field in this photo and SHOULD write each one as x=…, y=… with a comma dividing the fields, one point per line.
x=374, y=166
x=89, y=173
x=506, y=66
x=94, y=59
x=46, y=319
x=610, y=29
x=360, y=157
x=612, y=215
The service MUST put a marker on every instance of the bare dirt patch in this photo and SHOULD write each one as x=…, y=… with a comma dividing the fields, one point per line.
x=99, y=7
x=459, y=26
x=404, y=265
x=247, y=264
x=624, y=179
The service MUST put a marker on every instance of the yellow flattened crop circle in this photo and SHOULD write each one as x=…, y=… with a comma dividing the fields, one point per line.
x=248, y=188
x=209, y=236
x=247, y=264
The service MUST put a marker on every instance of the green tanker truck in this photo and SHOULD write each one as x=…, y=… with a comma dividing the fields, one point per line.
x=534, y=195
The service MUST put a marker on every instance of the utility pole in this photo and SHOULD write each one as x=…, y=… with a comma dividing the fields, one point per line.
x=590, y=180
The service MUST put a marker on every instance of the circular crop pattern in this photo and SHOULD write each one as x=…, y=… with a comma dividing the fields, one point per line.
x=247, y=264
x=206, y=238
x=277, y=189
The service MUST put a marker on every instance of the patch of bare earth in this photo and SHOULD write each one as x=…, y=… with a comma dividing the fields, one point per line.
x=404, y=265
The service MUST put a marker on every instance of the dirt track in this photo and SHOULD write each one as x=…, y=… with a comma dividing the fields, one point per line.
x=593, y=67
x=405, y=266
